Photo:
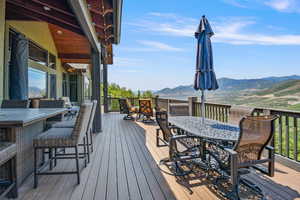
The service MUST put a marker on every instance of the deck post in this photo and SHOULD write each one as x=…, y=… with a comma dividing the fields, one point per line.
x=96, y=91
x=191, y=101
x=2, y=45
x=105, y=87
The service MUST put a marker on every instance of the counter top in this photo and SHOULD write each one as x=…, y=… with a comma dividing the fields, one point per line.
x=12, y=117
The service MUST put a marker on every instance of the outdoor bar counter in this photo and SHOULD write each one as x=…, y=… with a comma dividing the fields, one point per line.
x=21, y=126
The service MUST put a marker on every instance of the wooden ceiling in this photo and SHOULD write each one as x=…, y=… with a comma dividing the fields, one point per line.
x=72, y=47
x=69, y=38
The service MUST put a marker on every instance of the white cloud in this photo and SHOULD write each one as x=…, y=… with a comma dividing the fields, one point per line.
x=284, y=5
x=233, y=32
x=170, y=24
x=229, y=30
x=236, y=3
x=158, y=45
x=279, y=5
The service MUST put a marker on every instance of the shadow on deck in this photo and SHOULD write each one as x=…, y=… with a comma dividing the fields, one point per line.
x=124, y=166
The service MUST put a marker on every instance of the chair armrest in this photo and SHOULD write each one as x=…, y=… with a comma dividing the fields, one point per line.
x=172, y=126
x=178, y=137
x=231, y=151
x=269, y=148
x=216, y=144
x=158, y=130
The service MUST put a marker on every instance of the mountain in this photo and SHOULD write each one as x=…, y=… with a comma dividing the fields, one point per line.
x=36, y=92
x=270, y=92
x=230, y=85
x=285, y=88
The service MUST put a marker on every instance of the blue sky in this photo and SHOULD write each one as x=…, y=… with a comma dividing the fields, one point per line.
x=253, y=38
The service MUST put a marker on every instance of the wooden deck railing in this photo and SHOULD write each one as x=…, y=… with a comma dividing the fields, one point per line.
x=286, y=140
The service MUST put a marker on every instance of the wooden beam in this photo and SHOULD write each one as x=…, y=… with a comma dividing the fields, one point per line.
x=79, y=61
x=19, y=10
x=106, y=38
x=108, y=27
x=102, y=14
x=60, y=6
x=36, y=8
x=73, y=56
x=84, y=18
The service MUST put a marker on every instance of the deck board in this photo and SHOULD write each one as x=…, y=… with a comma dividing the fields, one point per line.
x=124, y=165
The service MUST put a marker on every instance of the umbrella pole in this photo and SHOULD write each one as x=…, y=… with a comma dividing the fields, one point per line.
x=202, y=106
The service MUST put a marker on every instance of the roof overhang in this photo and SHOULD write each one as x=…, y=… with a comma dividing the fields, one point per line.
x=117, y=6
x=73, y=24
x=83, y=16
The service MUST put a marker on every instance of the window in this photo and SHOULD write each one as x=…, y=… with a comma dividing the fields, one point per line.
x=52, y=61
x=38, y=54
x=65, y=85
x=37, y=83
x=73, y=88
x=52, y=86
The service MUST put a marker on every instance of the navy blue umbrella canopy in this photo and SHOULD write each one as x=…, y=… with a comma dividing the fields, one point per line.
x=205, y=77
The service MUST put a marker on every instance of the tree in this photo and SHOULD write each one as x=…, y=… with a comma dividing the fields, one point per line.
x=147, y=94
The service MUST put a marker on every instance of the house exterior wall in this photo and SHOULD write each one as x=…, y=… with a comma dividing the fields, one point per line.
x=2, y=45
x=39, y=33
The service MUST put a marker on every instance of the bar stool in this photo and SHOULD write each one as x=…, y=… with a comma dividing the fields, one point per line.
x=8, y=177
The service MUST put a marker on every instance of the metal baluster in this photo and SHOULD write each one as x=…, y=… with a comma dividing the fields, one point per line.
x=287, y=137
x=280, y=135
x=295, y=139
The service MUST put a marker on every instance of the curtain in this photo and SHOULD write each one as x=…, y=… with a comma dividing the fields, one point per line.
x=18, y=68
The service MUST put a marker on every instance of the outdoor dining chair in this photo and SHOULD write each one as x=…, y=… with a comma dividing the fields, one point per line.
x=15, y=104
x=164, y=128
x=236, y=114
x=8, y=180
x=72, y=109
x=126, y=108
x=89, y=133
x=43, y=103
x=145, y=110
x=64, y=138
x=177, y=155
x=256, y=133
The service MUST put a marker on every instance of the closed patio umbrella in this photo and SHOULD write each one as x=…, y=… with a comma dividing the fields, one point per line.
x=205, y=77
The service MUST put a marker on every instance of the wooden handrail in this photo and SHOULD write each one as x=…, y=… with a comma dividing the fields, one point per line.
x=286, y=126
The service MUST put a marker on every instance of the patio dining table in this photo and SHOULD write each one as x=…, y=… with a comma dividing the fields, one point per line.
x=20, y=126
x=210, y=129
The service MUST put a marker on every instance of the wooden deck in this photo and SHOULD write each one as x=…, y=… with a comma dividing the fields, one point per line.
x=124, y=166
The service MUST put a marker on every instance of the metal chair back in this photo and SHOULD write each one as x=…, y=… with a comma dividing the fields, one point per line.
x=124, y=106
x=145, y=107
x=51, y=103
x=68, y=103
x=162, y=121
x=236, y=113
x=255, y=133
x=15, y=104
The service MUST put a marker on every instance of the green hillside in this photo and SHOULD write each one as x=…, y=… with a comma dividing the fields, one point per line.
x=291, y=87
